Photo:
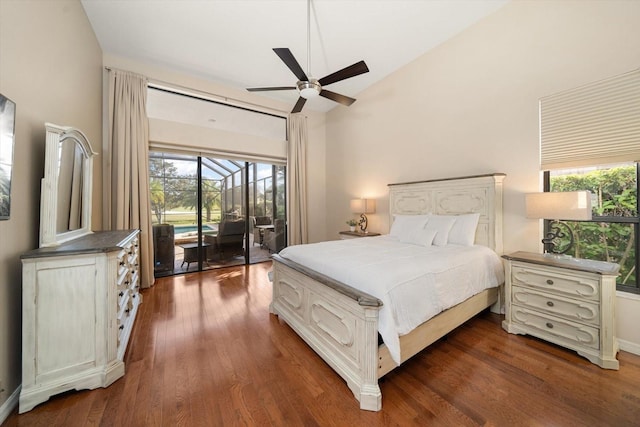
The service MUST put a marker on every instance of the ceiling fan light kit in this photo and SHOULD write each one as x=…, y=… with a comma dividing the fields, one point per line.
x=308, y=87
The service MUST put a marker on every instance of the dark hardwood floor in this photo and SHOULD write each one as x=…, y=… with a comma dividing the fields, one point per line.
x=206, y=352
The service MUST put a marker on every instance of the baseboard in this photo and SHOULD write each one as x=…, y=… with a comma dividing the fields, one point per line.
x=629, y=347
x=9, y=405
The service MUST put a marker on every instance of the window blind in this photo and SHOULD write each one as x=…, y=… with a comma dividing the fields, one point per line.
x=595, y=124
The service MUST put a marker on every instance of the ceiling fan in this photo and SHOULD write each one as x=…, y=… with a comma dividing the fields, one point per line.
x=307, y=86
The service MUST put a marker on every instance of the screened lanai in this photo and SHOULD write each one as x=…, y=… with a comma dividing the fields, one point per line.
x=211, y=212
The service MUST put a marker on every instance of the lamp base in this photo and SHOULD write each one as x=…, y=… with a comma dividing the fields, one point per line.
x=363, y=223
x=559, y=239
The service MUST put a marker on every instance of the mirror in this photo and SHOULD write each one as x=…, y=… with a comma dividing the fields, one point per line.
x=7, y=136
x=69, y=200
x=65, y=208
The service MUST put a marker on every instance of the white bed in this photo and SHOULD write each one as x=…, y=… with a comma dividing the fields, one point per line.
x=324, y=291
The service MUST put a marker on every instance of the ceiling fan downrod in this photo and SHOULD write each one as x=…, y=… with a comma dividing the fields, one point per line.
x=309, y=38
x=310, y=88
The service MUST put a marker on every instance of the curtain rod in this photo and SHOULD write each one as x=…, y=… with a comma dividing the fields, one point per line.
x=158, y=84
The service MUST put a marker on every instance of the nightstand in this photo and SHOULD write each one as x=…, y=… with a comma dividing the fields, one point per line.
x=563, y=300
x=355, y=234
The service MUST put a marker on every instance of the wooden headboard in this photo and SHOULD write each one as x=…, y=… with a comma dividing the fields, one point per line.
x=454, y=196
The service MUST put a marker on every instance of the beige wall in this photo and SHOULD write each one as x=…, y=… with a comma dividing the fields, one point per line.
x=470, y=106
x=50, y=65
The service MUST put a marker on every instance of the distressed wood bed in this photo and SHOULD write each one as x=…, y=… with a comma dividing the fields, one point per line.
x=341, y=323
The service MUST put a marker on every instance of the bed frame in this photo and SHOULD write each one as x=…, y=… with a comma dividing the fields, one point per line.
x=341, y=323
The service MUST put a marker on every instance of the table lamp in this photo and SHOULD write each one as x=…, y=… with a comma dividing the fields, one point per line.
x=558, y=206
x=362, y=207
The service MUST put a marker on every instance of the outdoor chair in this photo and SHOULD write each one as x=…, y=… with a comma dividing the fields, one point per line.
x=274, y=239
x=228, y=242
x=258, y=233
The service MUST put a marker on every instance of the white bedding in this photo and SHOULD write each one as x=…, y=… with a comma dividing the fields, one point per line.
x=413, y=282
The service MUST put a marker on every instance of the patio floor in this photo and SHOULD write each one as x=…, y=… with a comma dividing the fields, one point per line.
x=256, y=254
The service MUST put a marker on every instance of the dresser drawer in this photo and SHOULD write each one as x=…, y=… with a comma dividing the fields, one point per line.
x=557, y=281
x=123, y=304
x=123, y=297
x=132, y=253
x=123, y=264
x=580, y=311
x=124, y=280
x=555, y=329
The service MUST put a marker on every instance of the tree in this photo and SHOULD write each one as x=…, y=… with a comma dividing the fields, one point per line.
x=166, y=187
x=211, y=197
x=157, y=198
x=615, y=196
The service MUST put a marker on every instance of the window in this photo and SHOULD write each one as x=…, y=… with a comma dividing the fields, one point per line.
x=613, y=233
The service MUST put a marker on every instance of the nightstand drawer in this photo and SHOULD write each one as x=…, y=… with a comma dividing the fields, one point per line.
x=580, y=311
x=554, y=329
x=557, y=281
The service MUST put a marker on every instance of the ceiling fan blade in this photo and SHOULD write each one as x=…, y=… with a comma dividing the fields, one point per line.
x=345, y=73
x=298, y=107
x=341, y=99
x=262, y=89
x=290, y=61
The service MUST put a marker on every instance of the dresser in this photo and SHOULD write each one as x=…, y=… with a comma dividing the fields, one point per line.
x=563, y=300
x=79, y=304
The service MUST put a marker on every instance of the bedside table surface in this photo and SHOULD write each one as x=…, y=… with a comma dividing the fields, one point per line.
x=359, y=234
x=579, y=264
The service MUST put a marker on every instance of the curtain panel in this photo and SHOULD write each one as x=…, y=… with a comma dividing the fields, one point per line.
x=126, y=200
x=297, y=179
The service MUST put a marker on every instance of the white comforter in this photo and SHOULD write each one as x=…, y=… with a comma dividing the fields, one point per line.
x=413, y=282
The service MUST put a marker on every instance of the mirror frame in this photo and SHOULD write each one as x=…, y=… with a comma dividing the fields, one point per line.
x=56, y=135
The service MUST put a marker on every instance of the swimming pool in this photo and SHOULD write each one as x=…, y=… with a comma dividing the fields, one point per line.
x=179, y=229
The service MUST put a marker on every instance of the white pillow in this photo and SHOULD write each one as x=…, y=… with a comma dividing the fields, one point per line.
x=422, y=237
x=463, y=231
x=441, y=224
x=404, y=227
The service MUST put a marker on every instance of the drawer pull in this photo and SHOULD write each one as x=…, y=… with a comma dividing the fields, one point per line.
x=550, y=303
x=121, y=327
x=549, y=282
x=127, y=311
x=122, y=263
x=120, y=294
x=549, y=325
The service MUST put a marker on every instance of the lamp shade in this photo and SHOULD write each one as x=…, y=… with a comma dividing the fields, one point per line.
x=568, y=205
x=363, y=206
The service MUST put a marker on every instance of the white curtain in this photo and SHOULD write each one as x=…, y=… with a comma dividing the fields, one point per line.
x=297, y=179
x=126, y=165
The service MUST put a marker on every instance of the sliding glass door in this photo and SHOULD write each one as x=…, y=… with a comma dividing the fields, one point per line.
x=210, y=212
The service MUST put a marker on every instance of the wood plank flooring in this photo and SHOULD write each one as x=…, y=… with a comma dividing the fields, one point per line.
x=206, y=352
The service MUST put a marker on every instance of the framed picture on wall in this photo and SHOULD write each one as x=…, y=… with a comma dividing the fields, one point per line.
x=7, y=137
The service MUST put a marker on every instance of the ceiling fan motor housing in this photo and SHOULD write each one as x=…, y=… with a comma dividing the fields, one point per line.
x=309, y=89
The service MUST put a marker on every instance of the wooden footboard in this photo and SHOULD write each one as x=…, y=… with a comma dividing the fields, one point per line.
x=341, y=325
x=338, y=322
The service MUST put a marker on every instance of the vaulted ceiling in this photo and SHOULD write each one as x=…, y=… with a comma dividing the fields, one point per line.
x=231, y=41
